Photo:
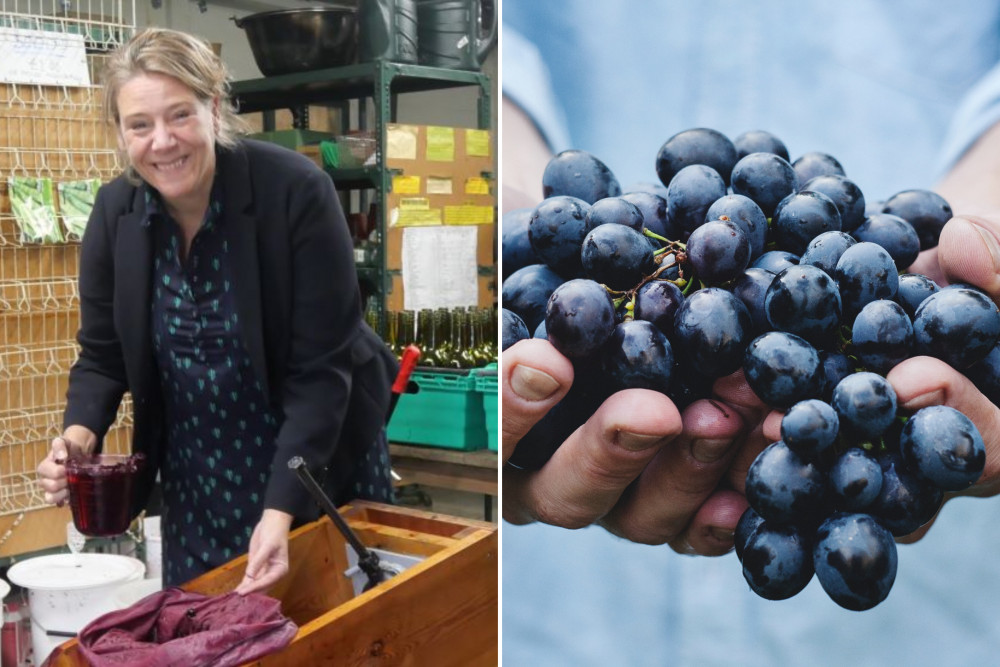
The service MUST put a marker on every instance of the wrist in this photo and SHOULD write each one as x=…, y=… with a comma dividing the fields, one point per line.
x=277, y=518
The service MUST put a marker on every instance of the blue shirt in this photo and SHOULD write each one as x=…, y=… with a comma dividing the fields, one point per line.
x=221, y=430
x=897, y=96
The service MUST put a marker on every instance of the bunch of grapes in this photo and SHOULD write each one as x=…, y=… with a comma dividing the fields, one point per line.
x=742, y=259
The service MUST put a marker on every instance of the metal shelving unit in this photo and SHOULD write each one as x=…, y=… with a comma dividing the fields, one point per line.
x=381, y=82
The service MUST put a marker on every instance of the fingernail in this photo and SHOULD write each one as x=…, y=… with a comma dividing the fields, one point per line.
x=708, y=450
x=931, y=398
x=636, y=442
x=989, y=238
x=722, y=534
x=532, y=384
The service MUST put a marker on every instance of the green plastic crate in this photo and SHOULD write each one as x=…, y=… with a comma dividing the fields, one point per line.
x=486, y=385
x=447, y=412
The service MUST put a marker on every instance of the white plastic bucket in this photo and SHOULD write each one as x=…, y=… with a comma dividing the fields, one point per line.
x=4, y=590
x=154, y=547
x=68, y=591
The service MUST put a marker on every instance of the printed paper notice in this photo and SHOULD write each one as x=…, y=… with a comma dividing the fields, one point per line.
x=406, y=185
x=401, y=142
x=43, y=57
x=440, y=143
x=468, y=215
x=477, y=143
x=439, y=267
x=438, y=186
x=477, y=186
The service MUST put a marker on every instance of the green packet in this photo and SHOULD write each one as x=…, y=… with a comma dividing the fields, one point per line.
x=33, y=204
x=76, y=201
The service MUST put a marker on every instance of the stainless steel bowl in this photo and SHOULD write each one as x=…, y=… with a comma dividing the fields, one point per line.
x=299, y=40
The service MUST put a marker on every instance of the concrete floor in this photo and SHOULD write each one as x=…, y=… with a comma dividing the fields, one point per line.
x=447, y=501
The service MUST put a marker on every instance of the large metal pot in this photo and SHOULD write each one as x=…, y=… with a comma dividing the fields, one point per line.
x=299, y=40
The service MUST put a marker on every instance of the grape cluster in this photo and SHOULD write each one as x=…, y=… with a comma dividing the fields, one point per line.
x=742, y=259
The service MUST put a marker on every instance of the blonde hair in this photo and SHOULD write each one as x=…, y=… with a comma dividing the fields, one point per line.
x=184, y=57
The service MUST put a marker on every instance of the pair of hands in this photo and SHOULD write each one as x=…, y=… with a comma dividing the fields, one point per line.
x=267, y=557
x=650, y=474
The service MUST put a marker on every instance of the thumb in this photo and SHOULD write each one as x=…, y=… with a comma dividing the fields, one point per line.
x=535, y=378
x=60, y=449
x=969, y=252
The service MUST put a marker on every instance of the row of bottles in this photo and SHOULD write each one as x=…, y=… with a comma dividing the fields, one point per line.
x=447, y=338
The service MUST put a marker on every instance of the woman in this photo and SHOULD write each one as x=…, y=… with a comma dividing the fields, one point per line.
x=217, y=286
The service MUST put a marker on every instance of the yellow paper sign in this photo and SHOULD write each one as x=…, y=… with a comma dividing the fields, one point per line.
x=401, y=142
x=468, y=215
x=406, y=185
x=416, y=217
x=477, y=142
x=477, y=186
x=414, y=203
x=438, y=186
x=440, y=143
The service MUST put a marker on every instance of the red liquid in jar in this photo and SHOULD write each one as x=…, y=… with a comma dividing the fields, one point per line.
x=100, y=489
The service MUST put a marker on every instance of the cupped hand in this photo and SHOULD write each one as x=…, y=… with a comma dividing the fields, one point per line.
x=637, y=466
x=75, y=441
x=267, y=558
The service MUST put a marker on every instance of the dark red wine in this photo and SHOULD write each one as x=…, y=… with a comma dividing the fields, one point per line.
x=100, y=489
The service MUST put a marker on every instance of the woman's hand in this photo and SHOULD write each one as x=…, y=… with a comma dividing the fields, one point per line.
x=75, y=441
x=267, y=559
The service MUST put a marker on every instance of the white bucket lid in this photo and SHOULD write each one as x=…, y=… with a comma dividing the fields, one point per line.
x=4, y=589
x=61, y=572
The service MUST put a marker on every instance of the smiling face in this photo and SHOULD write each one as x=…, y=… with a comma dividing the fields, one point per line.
x=169, y=136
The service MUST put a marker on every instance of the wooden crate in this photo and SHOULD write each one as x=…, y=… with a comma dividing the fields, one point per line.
x=442, y=611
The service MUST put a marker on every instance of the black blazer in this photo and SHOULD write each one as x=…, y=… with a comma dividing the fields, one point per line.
x=298, y=301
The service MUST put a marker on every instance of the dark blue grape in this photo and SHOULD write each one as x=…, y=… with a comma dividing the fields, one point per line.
x=751, y=287
x=825, y=250
x=958, y=325
x=894, y=234
x=927, y=211
x=650, y=187
x=514, y=329
x=785, y=488
x=638, y=355
x=515, y=246
x=711, y=328
x=905, y=501
x=759, y=141
x=616, y=256
x=745, y=527
x=579, y=174
x=688, y=384
x=527, y=292
x=814, y=163
x=775, y=261
x=777, y=562
x=802, y=216
x=556, y=231
x=865, y=273
x=765, y=178
x=809, y=428
x=616, y=210
x=882, y=336
x=805, y=301
x=855, y=560
x=718, y=251
x=746, y=214
x=695, y=146
x=944, y=447
x=654, y=212
x=540, y=331
x=690, y=193
x=865, y=403
x=985, y=374
x=782, y=369
x=855, y=480
x=845, y=194
x=657, y=301
x=579, y=318
x=913, y=289
x=834, y=367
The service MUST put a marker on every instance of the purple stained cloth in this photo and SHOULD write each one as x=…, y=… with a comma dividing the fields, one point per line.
x=176, y=627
